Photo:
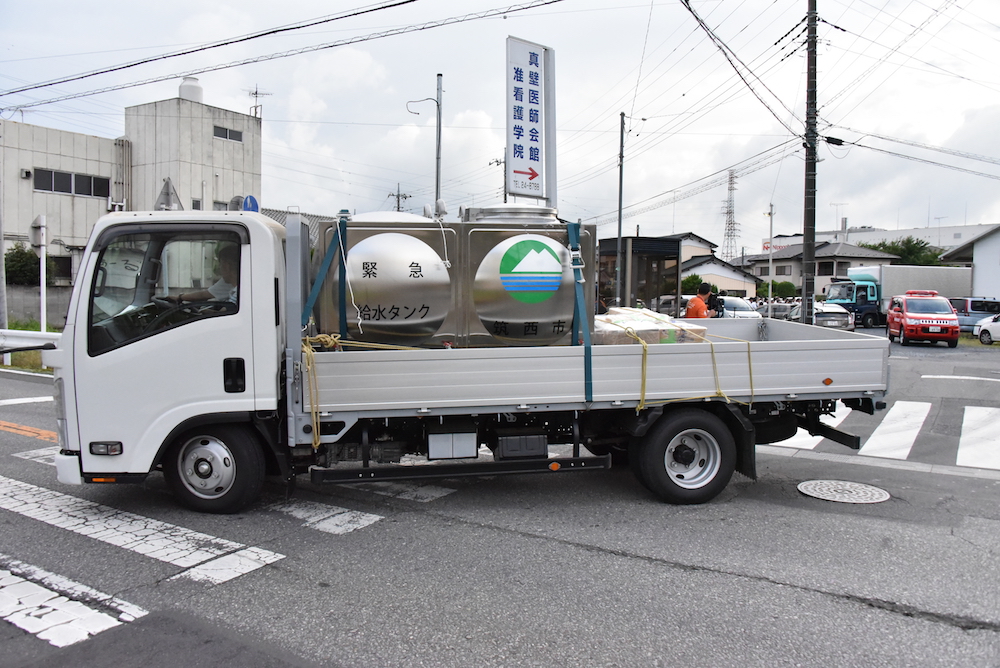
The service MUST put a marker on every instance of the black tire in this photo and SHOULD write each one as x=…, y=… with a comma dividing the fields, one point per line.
x=216, y=469
x=953, y=344
x=888, y=332
x=985, y=338
x=868, y=320
x=687, y=457
x=903, y=341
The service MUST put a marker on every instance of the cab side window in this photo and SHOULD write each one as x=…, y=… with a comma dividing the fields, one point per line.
x=150, y=282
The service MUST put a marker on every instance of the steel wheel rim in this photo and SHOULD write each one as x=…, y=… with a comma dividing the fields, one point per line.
x=704, y=453
x=207, y=467
x=985, y=338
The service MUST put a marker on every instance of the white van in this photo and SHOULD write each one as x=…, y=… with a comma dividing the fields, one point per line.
x=971, y=310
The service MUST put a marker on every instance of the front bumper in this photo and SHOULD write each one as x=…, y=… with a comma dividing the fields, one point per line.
x=68, y=469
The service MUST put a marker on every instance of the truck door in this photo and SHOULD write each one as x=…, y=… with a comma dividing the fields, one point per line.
x=166, y=337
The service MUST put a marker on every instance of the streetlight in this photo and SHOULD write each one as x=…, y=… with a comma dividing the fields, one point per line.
x=437, y=175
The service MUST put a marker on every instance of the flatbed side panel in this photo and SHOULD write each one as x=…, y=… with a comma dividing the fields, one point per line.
x=481, y=377
x=778, y=368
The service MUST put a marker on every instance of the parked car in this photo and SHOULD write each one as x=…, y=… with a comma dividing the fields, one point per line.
x=833, y=316
x=987, y=330
x=737, y=307
x=779, y=311
x=971, y=310
x=922, y=315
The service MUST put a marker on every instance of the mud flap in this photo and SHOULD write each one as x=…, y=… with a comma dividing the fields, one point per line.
x=744, y=434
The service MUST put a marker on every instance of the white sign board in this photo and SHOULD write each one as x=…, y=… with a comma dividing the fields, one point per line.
x=530, y=110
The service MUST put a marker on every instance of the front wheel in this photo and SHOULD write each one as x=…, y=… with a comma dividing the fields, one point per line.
x=868, y=321
x=888, y=333
x=985, y=338
x=953, y=344
x=687, y=457
x=217, y=469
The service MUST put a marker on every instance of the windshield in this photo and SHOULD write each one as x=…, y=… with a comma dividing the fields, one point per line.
x=736, y=304
x=843, y=291
x=936, y=305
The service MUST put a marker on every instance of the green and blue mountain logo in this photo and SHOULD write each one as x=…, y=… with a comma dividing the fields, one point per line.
x=530, y=271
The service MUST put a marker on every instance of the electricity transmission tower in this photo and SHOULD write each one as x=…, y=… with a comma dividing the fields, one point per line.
x=732, y=229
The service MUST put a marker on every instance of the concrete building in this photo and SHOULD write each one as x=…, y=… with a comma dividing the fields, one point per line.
x=209, y=155
x=943, y=237
x=176, y=154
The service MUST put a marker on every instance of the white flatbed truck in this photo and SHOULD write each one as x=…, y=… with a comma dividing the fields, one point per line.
x=160, y=368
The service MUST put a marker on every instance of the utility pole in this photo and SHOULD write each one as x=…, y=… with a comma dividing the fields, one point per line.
x=501, y=162
x=437, y=173
x=400, y=198
x=621, y=184
x=811, y=139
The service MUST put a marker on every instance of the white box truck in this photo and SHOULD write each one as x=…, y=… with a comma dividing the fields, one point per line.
x=867, y=290
x=222, y=347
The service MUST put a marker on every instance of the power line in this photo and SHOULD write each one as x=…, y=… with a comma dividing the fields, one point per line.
x=295, y=52
x=213, y=45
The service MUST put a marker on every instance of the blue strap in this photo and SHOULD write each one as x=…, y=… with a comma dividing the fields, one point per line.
x=324, y=267
x=580, y=310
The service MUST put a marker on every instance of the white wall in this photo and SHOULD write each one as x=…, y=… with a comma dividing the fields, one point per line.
x=986, y=267
x=175, y=138
x=69, y=217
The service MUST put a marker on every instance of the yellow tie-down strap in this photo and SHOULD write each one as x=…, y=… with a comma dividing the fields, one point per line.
x=631, y=333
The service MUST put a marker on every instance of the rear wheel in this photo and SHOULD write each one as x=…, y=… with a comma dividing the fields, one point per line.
x=985, y=338
x=687, y=457
x=218, y=469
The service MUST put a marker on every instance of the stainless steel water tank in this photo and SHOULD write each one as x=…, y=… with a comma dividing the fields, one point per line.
x=500, y=276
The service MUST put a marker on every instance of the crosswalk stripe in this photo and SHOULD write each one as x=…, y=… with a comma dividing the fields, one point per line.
x=166, y=542
x=328, y=519
x=41, y=455
x=402, y=490
x=978, y=445
x=804, y=441
x=895, y=435
x=24, y=400
x=56, y=609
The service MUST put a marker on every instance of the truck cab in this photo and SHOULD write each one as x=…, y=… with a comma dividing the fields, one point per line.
x=170, y=313
x=859, y=296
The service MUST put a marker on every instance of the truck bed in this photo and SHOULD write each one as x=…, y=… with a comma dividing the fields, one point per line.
x=795, y=361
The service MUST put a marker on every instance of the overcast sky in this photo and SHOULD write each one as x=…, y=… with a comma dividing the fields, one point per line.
x=894, y=75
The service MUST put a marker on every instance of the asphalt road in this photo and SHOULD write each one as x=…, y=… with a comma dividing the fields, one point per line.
x=546, y=570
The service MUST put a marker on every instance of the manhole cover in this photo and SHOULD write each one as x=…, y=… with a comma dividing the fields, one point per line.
x=843, y=492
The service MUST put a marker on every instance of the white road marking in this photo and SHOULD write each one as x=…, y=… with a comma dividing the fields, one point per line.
x=169, y=543
x=979, y=446
x=329, y=519
x=41, y=455
x=898, y=430
x=402, y=490
x=992, y=380
x=24, y=400
x=802, y=439
x=56, y=609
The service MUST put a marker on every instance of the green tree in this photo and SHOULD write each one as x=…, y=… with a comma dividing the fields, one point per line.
x=778, y=289
x=689, y=285
x=21, y=266
x=909, y=249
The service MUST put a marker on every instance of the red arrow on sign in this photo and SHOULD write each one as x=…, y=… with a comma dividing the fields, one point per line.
x=531, y=173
